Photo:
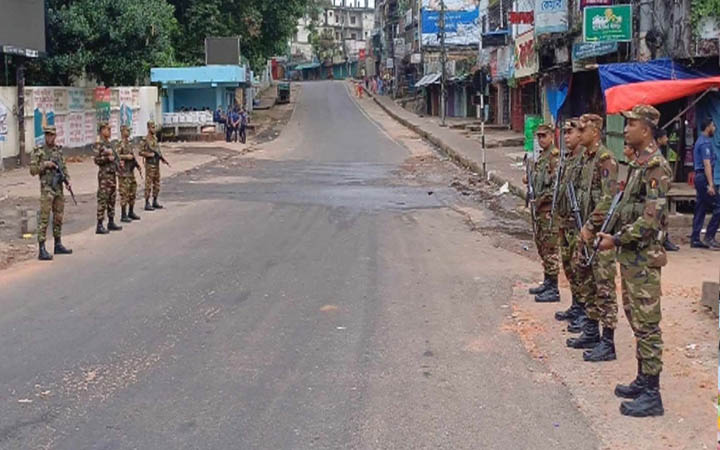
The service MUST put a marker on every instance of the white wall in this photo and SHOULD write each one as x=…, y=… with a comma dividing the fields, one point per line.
x=75, y=116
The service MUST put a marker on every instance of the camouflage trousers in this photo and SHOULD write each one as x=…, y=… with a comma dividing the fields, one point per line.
x=641, y=294
x=567, y=239
x=152, y=180
x=106, y=195
x=603, y=306
x=584, y=277
x=546, y=241
x=128, y=190
x=51, y=201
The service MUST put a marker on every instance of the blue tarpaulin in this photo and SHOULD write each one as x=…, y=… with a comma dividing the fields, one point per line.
x=556, y=97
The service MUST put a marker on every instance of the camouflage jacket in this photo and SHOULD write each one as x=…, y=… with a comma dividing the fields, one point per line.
x=643, y=210
x=573, y=168
x=42, y=154
x=598, y=185
x=545, y=178
x=149, y=149
x=125, y=151
x=103, y=161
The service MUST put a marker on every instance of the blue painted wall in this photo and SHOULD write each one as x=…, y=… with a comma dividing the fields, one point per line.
x=195, y=98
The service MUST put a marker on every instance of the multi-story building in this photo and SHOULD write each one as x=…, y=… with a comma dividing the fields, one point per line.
x=350, y=23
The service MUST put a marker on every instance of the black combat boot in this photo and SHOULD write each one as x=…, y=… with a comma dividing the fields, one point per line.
x=43, y=254
x=112, y=226
x=542, y=288
x=131, y=213
x=155, y=204
x=123, y=215
x=589, y=338
x=578, y=323
x=648, y=403
x=148, y=206
x=571, y=313
x=605, y=350
x=551, y=294
x=100, y=229
x=669, y=245
x=60, y=248
x=636, y=386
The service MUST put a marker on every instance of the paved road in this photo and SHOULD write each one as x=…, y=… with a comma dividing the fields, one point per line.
x=301, y=298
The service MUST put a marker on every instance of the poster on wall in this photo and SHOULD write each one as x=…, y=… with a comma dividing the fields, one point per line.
x=115, y=125
x=89, y=127
x=551, y=16
x=60, y=130
x=75, y=130
x=76, y=99
x=3, y=123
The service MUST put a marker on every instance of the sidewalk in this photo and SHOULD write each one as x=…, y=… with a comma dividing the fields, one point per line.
x=501, y=163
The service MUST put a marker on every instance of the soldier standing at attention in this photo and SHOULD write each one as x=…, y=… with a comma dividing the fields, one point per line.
x=568, y=232
x=128, y=184
x=108, y=166
x=545, y=238
x=45, y=161
x=598, y=183
x=642, y=227
x=150, y=150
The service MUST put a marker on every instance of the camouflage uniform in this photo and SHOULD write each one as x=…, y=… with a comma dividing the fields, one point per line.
x=642, y=226
x=128, y=184
x=107, y=181
x=546, y=239
x=641, y=231
x=152, y=166
x=51, y=199
x=598, y=187
x=568, y=232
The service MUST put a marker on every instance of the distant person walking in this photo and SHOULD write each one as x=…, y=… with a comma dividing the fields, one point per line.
x=244, y=120
x=706, y=200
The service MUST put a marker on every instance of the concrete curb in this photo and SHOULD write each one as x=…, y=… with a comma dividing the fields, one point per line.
x=450, y=152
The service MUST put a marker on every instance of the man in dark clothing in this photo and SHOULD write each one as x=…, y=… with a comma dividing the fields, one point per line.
x=228, y=125
x=706, y=198
x=244, y=120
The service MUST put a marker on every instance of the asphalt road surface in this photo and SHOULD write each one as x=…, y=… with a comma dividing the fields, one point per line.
x=301, y=297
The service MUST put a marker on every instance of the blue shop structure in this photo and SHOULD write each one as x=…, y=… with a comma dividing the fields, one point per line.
x=202, y=87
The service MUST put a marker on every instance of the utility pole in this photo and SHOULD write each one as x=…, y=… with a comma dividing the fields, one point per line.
x=443, y=62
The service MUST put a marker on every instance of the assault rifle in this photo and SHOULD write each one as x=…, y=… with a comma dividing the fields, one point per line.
x=607, y=224
x=59, y=177
x=558, y=178
x=530, y=197
x=160, y=156
x=575, y=207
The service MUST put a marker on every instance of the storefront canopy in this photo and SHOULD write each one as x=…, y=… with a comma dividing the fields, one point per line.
x=628, y=84
x=431, y=78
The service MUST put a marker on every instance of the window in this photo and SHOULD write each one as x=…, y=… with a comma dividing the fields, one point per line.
x=337, y=19
x=352, y=20
x=337, y=36
x=353, y=36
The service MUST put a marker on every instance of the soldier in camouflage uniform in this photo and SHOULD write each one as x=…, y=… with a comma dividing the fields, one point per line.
x=45, y=161
x=128, y=184
x=641, y=230
x=545, y=237
x=568, y=229
x=150, y=150
x=598, y=186
x=108, y=166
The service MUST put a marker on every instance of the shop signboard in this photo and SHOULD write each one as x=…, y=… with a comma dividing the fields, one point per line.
x=585, y=50
x=584, y=3
x=3, y=122
x=526, y=59
x=551, y=16
x=607, y=23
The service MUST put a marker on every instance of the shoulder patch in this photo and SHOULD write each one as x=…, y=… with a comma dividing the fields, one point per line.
x=655, y=162
x=605, y=155
x=555, y=152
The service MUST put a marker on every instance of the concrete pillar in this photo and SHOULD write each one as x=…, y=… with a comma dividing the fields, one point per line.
x=218, y=96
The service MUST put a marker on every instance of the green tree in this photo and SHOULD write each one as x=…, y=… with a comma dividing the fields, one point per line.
x=114, y=41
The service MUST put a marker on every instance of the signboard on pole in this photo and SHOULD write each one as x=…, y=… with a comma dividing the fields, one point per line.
x=461, y=28
x=607, y=23
x=551, y=16
x=585, y=50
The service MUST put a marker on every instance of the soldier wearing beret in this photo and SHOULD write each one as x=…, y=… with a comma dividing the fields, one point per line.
x=45, y=161
x=546, y=239
x=150, y=150
x=639, y=236
x=126, y=177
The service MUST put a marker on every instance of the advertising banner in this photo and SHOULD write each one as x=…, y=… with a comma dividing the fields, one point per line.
x=526, y=59
x=3, y=122
x=461, y=27
x=607, y=24
x=551, y=16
